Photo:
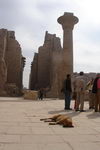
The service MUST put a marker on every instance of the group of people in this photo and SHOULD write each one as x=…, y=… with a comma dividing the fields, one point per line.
x=76, y=90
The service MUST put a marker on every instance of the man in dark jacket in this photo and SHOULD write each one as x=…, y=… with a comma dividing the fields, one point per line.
x=67, y=92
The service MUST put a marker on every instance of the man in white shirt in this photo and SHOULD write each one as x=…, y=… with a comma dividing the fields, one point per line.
x=79, y=87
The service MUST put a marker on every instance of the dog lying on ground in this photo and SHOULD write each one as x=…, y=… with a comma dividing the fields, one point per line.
x=61, y=119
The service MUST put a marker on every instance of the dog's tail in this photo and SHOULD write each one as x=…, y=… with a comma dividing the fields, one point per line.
x=42, y=119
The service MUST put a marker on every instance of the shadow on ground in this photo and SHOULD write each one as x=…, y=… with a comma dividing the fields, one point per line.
x=18, y=100
x=93, y=115
x=71, y=113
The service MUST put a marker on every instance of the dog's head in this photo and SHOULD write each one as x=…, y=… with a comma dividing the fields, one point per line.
x=68, y=123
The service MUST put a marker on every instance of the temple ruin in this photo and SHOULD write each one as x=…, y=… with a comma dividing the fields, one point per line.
x=52, y=62
x=11, y=64
x=44, y=62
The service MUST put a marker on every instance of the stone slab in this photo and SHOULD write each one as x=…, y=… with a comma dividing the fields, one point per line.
x=32, y=95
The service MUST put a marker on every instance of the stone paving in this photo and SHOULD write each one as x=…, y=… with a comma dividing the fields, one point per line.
x=21, y=128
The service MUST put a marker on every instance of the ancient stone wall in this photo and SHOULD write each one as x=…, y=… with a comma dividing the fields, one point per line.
x=46, y=65
x=55, y=73
x=33, y=75
x=3, y=68
x=11, y=59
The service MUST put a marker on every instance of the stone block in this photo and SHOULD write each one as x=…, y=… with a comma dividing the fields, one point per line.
x=30, y=94
x=12, y=89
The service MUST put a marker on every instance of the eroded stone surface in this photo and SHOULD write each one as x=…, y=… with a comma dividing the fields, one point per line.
x=11, y=61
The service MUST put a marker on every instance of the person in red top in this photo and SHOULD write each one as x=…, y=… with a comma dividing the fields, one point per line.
x=98, y=84
x=96, y=91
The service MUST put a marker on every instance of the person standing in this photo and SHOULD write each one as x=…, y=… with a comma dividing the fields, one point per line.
x=67, y=91
x=79, y=86
x=41, y=94
x=96, y=91
x=91, y=95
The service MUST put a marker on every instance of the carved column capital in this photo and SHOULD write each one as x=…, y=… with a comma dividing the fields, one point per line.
x=68, y=20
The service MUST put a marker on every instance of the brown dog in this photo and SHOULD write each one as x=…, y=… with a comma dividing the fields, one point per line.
x=61, y=119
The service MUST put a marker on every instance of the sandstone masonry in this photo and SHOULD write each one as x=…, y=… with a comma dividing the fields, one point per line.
x=11, y=63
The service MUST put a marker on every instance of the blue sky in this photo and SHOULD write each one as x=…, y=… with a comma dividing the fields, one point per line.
x=31, y=18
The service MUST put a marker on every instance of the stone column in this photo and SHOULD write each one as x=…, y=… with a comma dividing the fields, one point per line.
x=68, y=20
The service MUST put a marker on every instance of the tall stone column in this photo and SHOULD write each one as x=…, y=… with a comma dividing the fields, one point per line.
x=68, y=20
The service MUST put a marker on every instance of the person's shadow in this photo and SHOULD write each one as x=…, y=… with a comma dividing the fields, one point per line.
x=93, y=115
x=70, y=113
